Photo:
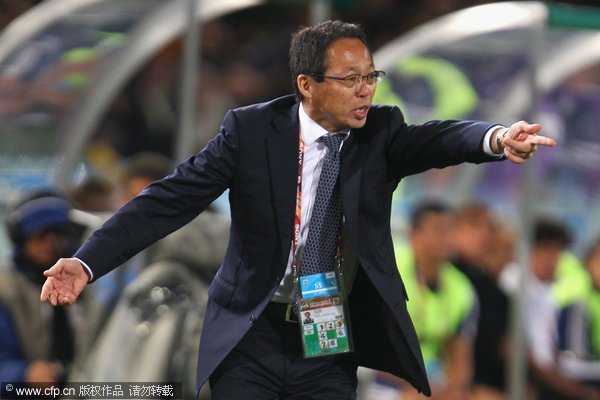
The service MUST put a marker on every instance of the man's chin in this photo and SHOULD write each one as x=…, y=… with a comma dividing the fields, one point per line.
x=357, y=124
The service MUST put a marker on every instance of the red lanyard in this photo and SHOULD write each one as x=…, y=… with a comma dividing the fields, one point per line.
x=298, y=216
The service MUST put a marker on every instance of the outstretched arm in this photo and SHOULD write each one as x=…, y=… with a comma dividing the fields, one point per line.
x=65, y=281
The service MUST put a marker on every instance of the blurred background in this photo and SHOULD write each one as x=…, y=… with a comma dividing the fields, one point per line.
x=85, y=85
x=90, y=87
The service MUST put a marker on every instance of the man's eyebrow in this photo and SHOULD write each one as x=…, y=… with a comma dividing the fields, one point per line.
x=355, y=69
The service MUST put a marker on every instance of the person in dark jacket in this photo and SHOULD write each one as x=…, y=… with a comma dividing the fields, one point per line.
x=37, y=341
x=273, y=158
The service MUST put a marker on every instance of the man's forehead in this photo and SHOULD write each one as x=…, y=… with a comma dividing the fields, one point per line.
x=349, y=56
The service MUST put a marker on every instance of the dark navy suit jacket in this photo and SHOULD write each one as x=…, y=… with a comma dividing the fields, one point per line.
x=255, y=156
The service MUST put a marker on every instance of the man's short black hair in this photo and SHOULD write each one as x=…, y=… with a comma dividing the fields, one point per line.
x=549, y=231
x=309, y=45
x=149, y=165
x=426, y=208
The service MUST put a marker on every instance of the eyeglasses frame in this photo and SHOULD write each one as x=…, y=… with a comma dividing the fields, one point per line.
x=379, y=75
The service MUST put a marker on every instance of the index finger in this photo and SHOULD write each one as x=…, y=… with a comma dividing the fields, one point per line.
x=531, y=140
x=541, y=140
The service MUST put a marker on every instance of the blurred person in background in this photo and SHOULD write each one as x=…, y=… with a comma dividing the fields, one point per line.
x=140, y=170
x=186, y=259
x=38, y=342
x=503, y=251
x=135, y=174
x=249, y=330
x=572, y=280
x=96, y=194
x=177, y=277
x=442, y=302
x=550, y=238
x=474, y=243
x=579, y=328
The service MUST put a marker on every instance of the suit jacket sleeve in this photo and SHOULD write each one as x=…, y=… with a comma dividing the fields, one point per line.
x=435, y=144
x=165, y=205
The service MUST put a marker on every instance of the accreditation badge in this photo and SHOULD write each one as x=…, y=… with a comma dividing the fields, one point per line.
x=318, y=285
x=323, y=316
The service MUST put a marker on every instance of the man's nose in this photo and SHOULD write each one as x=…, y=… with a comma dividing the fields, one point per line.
x=363, y=89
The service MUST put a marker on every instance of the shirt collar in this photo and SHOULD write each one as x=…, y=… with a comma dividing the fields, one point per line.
x=311, y=130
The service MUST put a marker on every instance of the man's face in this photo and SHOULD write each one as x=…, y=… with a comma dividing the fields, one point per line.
x=476, y=237
x=330, y=103
x=134, y=187
x=45, y=247
x=545, y=260
x=435, y=236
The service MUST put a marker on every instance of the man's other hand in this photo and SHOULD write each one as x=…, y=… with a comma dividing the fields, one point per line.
x=65, y=281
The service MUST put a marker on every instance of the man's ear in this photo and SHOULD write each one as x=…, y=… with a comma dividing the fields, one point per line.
x=305, y=85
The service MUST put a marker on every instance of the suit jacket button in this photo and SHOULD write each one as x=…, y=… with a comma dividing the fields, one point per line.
x=252, y=319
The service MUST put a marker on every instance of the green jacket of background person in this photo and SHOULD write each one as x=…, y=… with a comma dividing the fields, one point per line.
x=437, y=314
x=593, y=313
x=572, y=280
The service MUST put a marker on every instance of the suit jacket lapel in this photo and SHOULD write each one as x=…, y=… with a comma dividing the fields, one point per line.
x=352, y=157
x=282, y=153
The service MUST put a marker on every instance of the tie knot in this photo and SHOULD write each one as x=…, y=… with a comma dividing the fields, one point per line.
x=333, y=141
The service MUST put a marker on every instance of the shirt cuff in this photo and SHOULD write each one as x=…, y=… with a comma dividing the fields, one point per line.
x=487, y=149
x=87, y=269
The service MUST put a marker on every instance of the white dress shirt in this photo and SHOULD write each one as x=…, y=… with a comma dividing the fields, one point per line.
x=314, y=153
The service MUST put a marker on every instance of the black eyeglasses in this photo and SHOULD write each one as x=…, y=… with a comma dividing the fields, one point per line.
x=354, y=80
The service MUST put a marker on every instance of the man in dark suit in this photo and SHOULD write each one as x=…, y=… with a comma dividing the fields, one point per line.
x=250, y=345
